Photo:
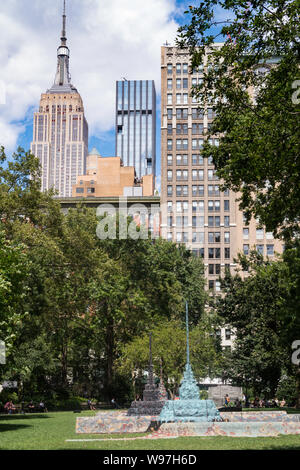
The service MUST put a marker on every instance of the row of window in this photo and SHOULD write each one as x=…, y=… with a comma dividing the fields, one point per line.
x=183, y=144
x=259, y=234
x=197, y=128
x=260, y=249
x=183, y=83
x=197, y=191
x=197, y=221
x=197, y=175
x=212, y=221
x=180, y=68
x=197, y=113
x=183, y=159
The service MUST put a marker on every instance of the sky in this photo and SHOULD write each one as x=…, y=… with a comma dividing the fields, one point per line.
x=108, y=39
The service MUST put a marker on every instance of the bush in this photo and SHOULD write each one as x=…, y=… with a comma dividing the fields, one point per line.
x=7, y=395
x=203, y=395
x=287, y=389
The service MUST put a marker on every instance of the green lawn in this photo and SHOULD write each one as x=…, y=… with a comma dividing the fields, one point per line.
x=51, y=430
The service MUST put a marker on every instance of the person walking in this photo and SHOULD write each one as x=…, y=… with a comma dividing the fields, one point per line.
x=114, y=403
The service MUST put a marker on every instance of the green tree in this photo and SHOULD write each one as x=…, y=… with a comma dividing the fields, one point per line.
x=258, y=155
x=169, y=350
x=14, y=269
x=255, y=308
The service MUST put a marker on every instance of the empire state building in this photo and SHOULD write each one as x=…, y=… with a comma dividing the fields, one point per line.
x=60, y=129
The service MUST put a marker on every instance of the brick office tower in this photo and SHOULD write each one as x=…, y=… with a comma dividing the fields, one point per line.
x=194, y=210
x=136, y=125
x=60, y=130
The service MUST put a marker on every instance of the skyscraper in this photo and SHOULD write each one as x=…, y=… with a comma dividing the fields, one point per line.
x=194, y=209
x=136, y=125
x=60, y=130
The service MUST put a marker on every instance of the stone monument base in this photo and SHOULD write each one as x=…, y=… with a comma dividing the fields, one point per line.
x=145, y=408
x=233, y=429
x=114, y=422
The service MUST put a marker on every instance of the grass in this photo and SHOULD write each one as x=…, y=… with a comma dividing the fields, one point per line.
x=50, y=432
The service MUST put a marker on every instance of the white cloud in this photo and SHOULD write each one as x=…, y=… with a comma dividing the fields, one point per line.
x=109, y=39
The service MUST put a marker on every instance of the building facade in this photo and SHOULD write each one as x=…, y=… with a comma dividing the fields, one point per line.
x=136, y=125
x=60, y=129
x=194, y=209
x=107, y=177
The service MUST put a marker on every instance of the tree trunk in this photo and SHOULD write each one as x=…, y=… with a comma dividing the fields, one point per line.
x=298, y=387
x=109, y=358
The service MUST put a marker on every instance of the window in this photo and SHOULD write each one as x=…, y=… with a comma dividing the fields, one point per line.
x=170, y=160
x=226, y=205
x=270, y=250
x=179, y=237
x=211, y=284
x=178, y=98
x=170, y=190
x=169, y=98
x=185, y=83
x=197, y=159
x=259, y=233
x=260, y=249
x=181, y=159
x=246, y=249
x=170, y=69
x=185, y=98
x=170, y=206
x=197, y=129
x=227, y=253
x=197, y=113
x=170, y=129
x=178, y=68
x=245, y=233
x=181, y=129
x=227, y=334
x=181, y=144
x=198, y=237
x=79, y=190
x=91, y=190
x=226, y=221
x=178, y=83
x=169, y=83
x=269, y=236
x=170, y=113
x=218, y=286
x=181, y=113
x=170, y=175
x=227, y=237
x=198, y=190
x=185, y=68
x=170, y=144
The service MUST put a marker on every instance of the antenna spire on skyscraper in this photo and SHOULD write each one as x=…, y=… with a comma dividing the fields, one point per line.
x=63, y=34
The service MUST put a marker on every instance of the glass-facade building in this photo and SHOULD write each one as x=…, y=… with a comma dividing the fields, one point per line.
x=136, y=125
